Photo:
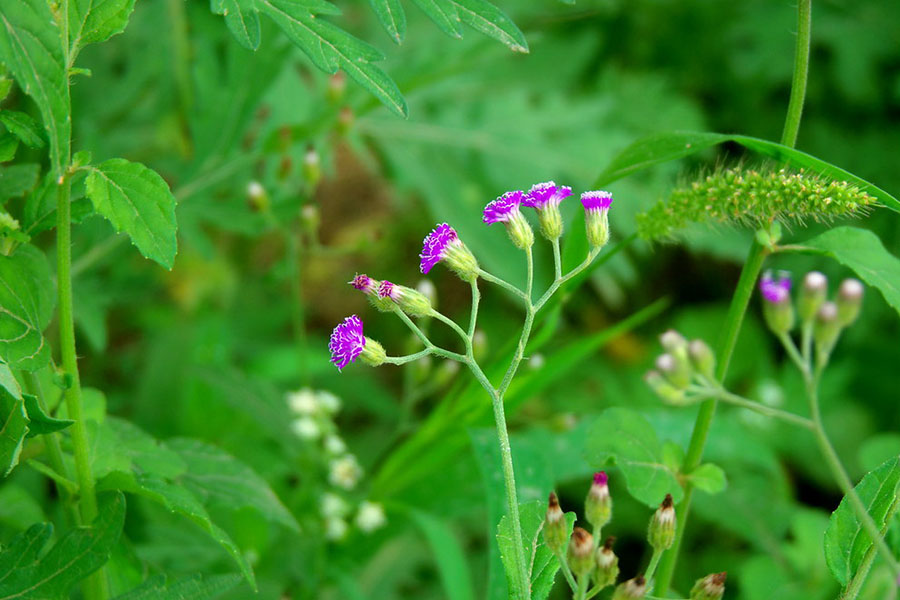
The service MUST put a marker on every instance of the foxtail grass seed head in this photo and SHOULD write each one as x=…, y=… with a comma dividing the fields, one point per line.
x=347, y=342
x=812, y=295
x=711, y=587
x=702, y=358
x=443, y=244
x=580, y=553
x=666, y=392
x=370, y=287
x=598, y=504
x=827, y=328
x=596, y=217
x=555, y=530
x=410, y=301
x=607, y=564
x=753, y=197
x=849, y=301
x=777, y=307
x=506, y=210
x=545, y=198
x=661, y=532
x=676, y=371
x=631, y=589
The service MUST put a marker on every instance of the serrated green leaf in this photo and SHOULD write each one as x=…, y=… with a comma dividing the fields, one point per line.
x=40, y=423
x=23, y=127
x=544, y=567
x=94, y=21
x=392, y=17
x=75, y=556
x=708, y=477
x=862, y=251
x=493, y=22
x=448, y=555
x=26, y=306
x=444, y=15
x=846, y=542
x=12, y=436
x=191, y=588
x=136, y=200
x=31, y=47
x=626, y=438
x=18, y=180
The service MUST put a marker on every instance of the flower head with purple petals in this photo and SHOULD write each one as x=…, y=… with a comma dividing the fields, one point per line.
x=596, y=200
x=388, y=290
x=363, y=283
x=775, y=290
x=542, y=194
x=503, y=208
x=435, y=246
x=347, y=341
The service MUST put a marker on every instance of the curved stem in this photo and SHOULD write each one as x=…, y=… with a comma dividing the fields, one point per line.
x=561, y=280
x=402, y=360
x=452, y=324
x=765, y=410
x=654, y=561
x=801, y=74
x=502, y=283
x=564, y=567
x=476, y=299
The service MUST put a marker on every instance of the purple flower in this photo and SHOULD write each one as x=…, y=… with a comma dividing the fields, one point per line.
x=363, y=283
x=542, y=194
x=435, y=245
x=773, y=290
x=597, y=200
x=503, y=208
x=347, y=341
x=386, y=290
x=601, y=478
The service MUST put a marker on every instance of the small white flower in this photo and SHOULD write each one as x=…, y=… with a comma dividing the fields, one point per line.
x=332, y=505
x=335, y=445
x=303, y=402
x=328, y=401
x=370, y=516
x=335, y=528
x=306, y=428
x=345, y=472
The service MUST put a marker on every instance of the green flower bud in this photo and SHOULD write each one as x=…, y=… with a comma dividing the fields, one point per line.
x=812, y=295
x=607, y=564
x=702, y=358
x=598, y=504
x=667, y=392
x=257, y=197
x=827, y=329
x=551, y=222
x=312, y=168
x=631, y=589
x=555, y=530
x=849, y=301
x=519, y=230
x=580, y=553
x=373, y=353
x=711, y=587
x=676, y=370
x=777, y=307
x=661, y=532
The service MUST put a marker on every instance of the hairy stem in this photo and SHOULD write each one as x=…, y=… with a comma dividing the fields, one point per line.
x=801, y=74
x=501, y=282
x=654, y=561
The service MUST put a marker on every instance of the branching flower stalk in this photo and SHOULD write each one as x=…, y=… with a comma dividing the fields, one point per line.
x=443, y=245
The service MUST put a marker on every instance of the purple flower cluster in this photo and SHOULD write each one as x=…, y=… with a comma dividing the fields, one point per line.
x=774, y=290
x=542, y=194
x=503, y=208
x=347, y=341
x=435, y=246
x=596, y=201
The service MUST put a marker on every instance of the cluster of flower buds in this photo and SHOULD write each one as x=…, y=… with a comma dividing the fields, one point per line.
x=680, y=364
x=826, y=318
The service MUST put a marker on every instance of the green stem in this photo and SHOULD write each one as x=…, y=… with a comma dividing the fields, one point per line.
x=502, y=283
x=765, y=410
x=402, y=360
x=583, y=582
x=476, y=299
x=557, y=260
x=567, y=572
x=452, y=324
x=561, y=280
x=733, y=321
x=654, y=561
x=801, y=74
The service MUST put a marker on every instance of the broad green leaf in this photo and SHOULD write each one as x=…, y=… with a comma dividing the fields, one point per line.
x=8, y=146
x=491, y=21
x=136, y=200
x=17, y=180
x=23, y=550
x=23, y=127
x=624, y=437
x=31, y=48
x=26, y=306
x=846, y=542
x=444, y=15
x=191, y=588
x=75, y=556
x=392, y=17
x=242, y=20
x=862, y=251
x=40, y=423
x=222, y=480
x=94, y=21
x=708, y=477
x=544, y=567
x=448, y=554
x=12, y=435
x=663, y=147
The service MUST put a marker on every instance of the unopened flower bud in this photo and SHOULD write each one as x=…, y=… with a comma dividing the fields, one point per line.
x=596, y=217
x=667, y=392
x=676, y=370
x=673, y=342
x=777, y=308
x=555, y=530
x=410, y=301
x=373, y=353
x=312, y=168
x=545, y=198
x=505, y=209
x=598, y=504
x=711, y=587
x=631, y=589
x=849, y=301
x=812, y=295
x=661, y=532
x=257, y=197
x=370, y=288
x=607, y=564
x=827, y=328
x=702, y=358
x=580, y=553
x=443, y=244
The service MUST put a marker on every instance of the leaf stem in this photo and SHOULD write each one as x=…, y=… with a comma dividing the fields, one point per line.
x=654, y=561
x=502, y=283
x=801, y=74
x=765, y=410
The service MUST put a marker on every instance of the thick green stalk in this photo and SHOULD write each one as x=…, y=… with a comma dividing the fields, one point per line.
x=733, y=321
x=801, y=74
